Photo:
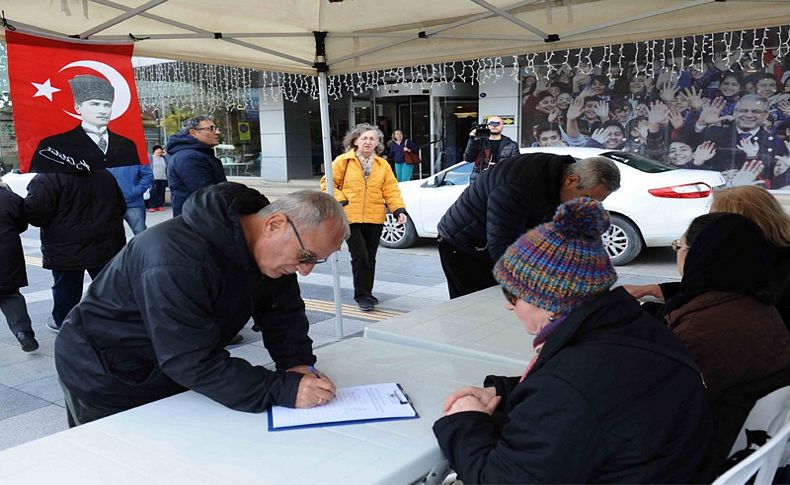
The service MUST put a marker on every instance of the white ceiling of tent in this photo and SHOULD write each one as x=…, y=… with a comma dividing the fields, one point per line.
x=370, y=34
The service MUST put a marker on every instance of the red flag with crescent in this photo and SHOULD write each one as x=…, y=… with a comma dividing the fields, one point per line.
x=75, y=104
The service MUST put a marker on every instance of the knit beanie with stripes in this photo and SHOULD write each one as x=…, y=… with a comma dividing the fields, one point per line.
x=562, y=264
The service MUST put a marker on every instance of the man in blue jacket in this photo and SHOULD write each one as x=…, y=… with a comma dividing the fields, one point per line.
x=133, y=181
x=192, y=161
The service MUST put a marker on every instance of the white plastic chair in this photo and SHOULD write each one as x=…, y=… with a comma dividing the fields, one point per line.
x=766, y=459
x=763, y=411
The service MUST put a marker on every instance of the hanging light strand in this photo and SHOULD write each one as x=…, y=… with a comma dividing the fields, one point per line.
x=207, y=88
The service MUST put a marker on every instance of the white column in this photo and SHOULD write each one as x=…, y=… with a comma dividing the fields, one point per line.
x=274, y=163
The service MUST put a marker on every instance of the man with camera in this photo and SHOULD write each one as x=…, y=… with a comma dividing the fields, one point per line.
x=487, y=145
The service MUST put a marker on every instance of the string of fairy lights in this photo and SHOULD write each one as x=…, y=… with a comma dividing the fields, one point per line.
x=202, y=87
x=208, y=88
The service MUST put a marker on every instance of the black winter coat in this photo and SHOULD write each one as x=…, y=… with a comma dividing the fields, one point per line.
x=158, y=318
x=192, y=165
x=612, y=398
x=80, y=216
x=473, y=153
x=12, y=223
x=512, y=197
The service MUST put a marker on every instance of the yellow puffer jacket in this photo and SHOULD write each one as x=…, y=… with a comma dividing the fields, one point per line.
x=367, y=202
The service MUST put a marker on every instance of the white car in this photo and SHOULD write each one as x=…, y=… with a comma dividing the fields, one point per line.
x=18, y=182
x=655, y=203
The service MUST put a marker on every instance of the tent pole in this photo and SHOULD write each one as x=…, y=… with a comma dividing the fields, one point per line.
x=325, y=131
x=323, y=101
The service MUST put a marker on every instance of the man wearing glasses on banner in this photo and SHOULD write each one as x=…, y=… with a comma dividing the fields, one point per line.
x=192, y=162
x=487, y=145
x=157, y=319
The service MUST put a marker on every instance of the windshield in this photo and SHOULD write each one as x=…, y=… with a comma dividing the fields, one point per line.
x=459, y=175
x=639, y=162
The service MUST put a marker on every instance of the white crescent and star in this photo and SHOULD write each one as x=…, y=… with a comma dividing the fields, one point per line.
x=122, y=93
x=45, y=89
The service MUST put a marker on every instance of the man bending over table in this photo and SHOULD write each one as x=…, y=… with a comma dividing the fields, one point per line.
x=157, y=319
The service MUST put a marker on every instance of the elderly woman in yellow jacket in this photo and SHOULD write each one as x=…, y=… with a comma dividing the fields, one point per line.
x=365, y=185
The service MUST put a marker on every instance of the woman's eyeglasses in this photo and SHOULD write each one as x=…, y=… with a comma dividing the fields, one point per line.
x=510, y=297
x=677, y=246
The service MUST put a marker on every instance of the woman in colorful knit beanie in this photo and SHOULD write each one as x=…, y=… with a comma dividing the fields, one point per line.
x=612, y=395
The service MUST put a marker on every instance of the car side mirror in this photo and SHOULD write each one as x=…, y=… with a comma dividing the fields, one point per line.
x=432, y=182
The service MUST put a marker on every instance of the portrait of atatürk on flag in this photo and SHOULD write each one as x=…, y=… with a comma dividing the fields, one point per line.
x=76, y=110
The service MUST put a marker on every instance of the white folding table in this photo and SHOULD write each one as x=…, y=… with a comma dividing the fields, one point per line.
x=189, y=438
x=475, y=325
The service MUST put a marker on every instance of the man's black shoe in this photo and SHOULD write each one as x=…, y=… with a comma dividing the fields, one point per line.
x=27, y=341
x=52, y=326
x=374, y=300
x=366, y=304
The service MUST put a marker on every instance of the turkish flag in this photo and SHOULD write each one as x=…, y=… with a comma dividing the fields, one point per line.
x=75, y=105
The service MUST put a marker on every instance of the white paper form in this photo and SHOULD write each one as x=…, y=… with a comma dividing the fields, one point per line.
x=356, y=403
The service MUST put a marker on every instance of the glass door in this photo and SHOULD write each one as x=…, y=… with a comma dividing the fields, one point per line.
x=361, y=112
x=454, y=118
x=410, y=114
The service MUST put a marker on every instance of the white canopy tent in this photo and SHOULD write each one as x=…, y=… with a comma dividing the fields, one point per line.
x=320, y=37
x=363, y=35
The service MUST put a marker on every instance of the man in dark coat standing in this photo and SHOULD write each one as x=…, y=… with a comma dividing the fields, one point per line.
x=192, y=162
x=13, y=275
x=90, y=145
x=81, y=221
x=486, y=151
x=157, y=320
x=512, y=197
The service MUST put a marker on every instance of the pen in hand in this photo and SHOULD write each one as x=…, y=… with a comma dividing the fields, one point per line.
x=315, y=371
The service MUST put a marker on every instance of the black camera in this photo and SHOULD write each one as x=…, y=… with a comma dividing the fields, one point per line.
x=482, y=131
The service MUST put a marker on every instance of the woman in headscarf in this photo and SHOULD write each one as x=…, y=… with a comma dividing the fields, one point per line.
x=761, y=207
x=723, y=313
x=600, y=402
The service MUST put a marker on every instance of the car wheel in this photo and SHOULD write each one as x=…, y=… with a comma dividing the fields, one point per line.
x=622, y=241
x=398, y=236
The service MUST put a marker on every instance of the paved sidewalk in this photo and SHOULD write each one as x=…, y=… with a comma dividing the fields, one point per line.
x=31, y=402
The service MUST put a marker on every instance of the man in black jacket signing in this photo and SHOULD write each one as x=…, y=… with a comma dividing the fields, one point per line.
x=509, y=199
x=157, y=320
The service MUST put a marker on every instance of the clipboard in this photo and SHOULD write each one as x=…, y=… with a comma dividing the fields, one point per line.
x=352, y=405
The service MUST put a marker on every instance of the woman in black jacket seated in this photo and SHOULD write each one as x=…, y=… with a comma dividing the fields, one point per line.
x=612, y=395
